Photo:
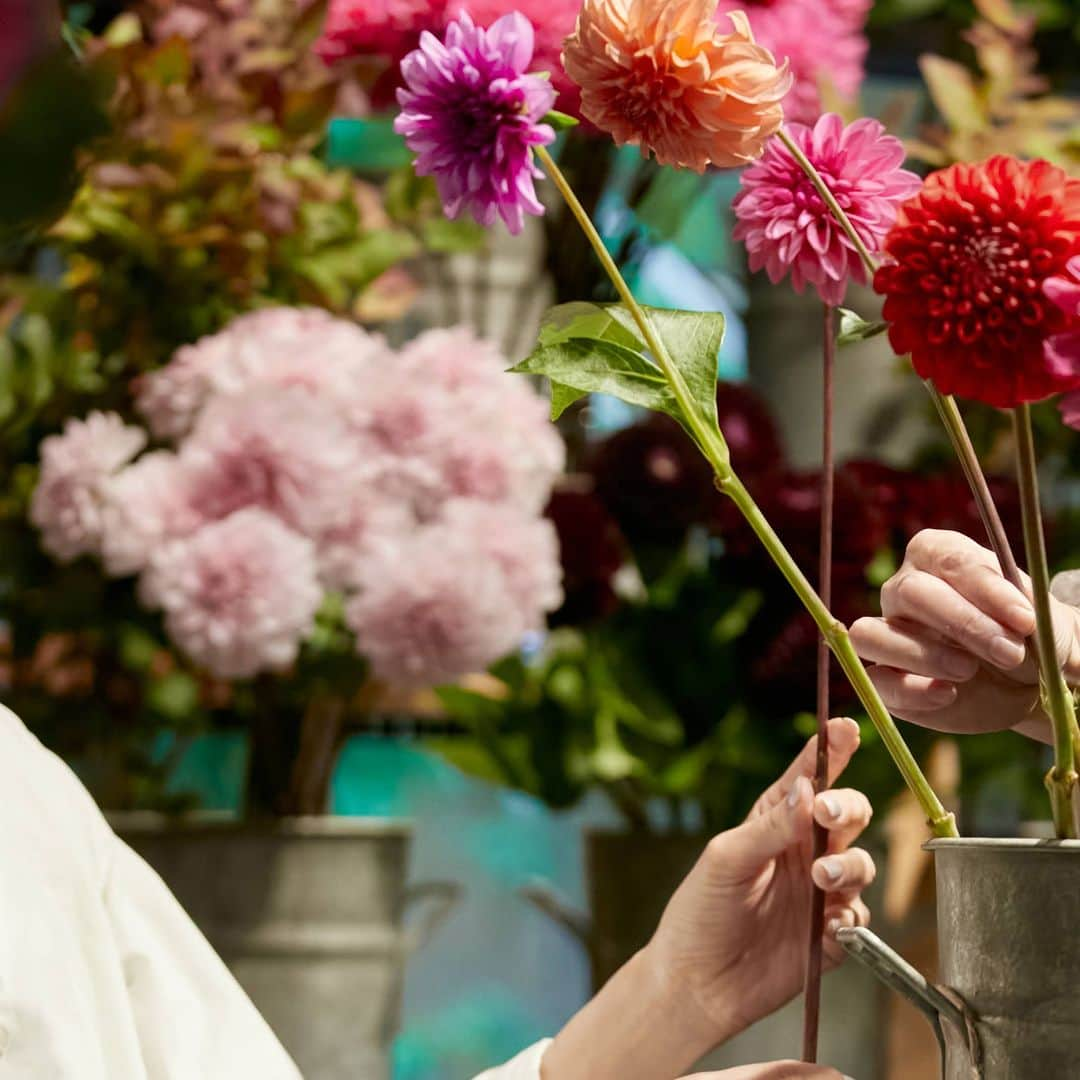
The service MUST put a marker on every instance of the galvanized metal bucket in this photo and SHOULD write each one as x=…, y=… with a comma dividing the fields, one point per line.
x=1008, y=1005
x=307, y=913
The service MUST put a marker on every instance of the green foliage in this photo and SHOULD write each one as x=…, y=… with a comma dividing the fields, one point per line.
x=204, y=196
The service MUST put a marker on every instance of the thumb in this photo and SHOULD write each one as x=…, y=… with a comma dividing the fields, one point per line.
x=744, y=850
x=775, y=1070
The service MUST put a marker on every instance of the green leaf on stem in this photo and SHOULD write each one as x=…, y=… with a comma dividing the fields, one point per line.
x=601, y=367
x=562, y=397
x=589, y=348
x=854, y=328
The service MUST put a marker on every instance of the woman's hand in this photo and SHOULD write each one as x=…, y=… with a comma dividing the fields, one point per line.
x=730, y=948
x=733, y=938
x=949, y=651
x=774, y=1070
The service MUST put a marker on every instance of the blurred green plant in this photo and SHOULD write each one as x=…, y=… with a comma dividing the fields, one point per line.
x=1006, y=108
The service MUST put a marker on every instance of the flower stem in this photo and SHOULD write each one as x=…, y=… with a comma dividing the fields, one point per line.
x=829, y=198
x=712, y=444
x=812, y=983
x=1057, y=699
x=984, y=501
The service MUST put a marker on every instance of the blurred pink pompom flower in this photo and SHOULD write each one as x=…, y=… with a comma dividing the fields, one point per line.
x=69, y=501
x=277, y=448
x=473, y=117
x=239, y=595
x=280, y=346
x=431, y=609
x=821, y=40
x=307, y=457
x=1063, y=350
x=145, y=505
x=785, y=224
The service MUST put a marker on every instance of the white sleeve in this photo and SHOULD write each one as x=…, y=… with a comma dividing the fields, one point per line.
x=525, y=1066
x=193, y=1019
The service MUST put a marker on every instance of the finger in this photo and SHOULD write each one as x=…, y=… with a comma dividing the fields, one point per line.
x=843, y=742
x=845, y=813
x=910, y=647
x=775, y=1070
x=922, y=598
x=975, y=573
x=855, y=913
x=743, y=851
x=906, y=694
x=848, y=871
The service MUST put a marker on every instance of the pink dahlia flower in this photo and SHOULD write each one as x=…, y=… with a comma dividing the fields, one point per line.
x=146, y=504
x=786, y=226
x=821, y=40
x=430, y=610
x=282, y=450
x=239, y=595
x=385, y=28
x=278, y=346
x=474, y=116
x=76, y=467
x=1063, y=350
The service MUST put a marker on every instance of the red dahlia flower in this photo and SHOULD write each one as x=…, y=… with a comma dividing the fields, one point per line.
x=968, y=258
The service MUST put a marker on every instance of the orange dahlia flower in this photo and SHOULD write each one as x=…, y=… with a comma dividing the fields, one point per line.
x=660, y=75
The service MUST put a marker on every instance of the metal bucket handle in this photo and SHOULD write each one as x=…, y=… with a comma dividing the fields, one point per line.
x=949, y=1015
x=442, y=897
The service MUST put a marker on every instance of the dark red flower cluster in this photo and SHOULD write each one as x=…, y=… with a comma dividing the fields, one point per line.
x=968, y=259
x=652, y=478
x=593, y=551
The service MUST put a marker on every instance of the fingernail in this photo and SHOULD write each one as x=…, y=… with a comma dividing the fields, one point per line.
x=833, y=927
x=831, y=868
x=832, y=806
x=795, y=795
x=1006, y=653
x=1021, y=615
x=942, y=693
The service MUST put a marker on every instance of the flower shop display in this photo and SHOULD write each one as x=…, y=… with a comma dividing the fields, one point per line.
x=965, y=271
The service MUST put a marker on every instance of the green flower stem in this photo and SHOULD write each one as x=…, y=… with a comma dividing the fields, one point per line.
x=976, y=478
x=1057, y=699
x=712, y=444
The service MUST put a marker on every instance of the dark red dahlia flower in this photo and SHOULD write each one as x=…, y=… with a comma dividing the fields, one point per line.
x=968, y=257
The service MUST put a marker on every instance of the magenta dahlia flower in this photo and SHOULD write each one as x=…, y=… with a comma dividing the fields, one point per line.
x=785, y=224
x=474, y=117
x=821, y=40
x=239, y=595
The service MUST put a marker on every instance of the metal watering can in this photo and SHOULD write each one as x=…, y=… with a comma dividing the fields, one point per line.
x=1008, y=914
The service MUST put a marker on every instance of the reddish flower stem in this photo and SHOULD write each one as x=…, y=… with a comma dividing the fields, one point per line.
x=812, y=985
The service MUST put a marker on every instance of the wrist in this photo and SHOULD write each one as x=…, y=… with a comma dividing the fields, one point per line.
x=638, y=1027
